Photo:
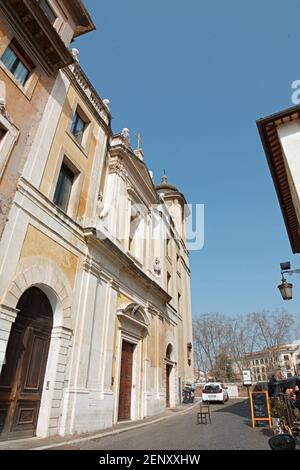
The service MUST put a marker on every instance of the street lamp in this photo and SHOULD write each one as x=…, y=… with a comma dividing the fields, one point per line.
x=286, y=288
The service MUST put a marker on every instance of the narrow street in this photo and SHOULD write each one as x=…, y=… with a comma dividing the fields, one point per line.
x=230, y=429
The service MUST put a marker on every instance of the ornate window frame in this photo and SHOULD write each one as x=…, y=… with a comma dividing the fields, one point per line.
x=133, y=328
x=8, y=141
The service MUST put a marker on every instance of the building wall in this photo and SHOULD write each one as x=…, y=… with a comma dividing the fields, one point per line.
x=289, y=136
x=102, y=289
x=285, y=363
x=24, y=108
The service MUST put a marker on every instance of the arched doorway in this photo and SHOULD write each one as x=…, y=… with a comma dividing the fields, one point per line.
x=22, y=376
x=169, y=367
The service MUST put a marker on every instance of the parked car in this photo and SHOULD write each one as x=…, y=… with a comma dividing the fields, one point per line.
x=214, y=392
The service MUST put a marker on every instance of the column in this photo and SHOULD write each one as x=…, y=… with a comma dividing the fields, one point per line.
x=8, y=316
x=108, y=344
x=55, y=382
x=38, y=155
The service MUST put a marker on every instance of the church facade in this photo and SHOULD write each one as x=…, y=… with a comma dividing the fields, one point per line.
x=95, y=311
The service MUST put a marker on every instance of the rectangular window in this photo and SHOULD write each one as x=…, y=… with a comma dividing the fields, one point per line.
x=47, y=10
x=286, y=358
x=2, y=133
x=64, y=187
x=78, y=127
x=16, y=61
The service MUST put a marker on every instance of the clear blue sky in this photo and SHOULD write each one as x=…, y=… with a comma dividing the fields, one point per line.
x=193, y=76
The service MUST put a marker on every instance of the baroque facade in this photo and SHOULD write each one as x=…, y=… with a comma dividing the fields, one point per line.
x=95, y=312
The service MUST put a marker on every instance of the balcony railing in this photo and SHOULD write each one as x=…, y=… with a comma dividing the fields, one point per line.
x=92, y=95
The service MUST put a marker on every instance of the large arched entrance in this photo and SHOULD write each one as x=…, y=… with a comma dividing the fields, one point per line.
x=22, y=376
x=169, y=367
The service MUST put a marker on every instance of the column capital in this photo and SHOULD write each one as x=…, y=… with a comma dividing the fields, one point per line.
x=61, y=332
x=114, y=285
x=8, y=313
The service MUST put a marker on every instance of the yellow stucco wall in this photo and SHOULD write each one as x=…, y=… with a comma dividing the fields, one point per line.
x=37, y=242
x=122, y=300
x=64, y=144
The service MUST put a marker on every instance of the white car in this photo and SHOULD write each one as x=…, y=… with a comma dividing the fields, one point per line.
x=214, y=392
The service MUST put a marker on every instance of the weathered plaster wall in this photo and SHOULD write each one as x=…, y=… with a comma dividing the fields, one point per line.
x=64, y=145
x=25, y=112
x=37, y=242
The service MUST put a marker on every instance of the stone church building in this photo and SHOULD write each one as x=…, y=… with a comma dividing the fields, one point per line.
x=95, y=311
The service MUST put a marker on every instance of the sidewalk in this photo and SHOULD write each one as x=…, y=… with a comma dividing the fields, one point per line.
x=36, y=443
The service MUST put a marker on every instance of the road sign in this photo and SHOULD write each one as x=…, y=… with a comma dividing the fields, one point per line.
x=247, y=377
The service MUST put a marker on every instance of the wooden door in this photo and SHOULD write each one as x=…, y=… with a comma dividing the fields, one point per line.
x=126, y=381
x=22, y=376
x=168, y=372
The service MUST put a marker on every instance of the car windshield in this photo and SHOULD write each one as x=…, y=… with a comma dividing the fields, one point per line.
x=212, y=389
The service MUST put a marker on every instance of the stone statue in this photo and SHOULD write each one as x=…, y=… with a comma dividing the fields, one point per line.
x=75, y=54
x=125, y=133
x=100, y=205
x=157, y=266
x=106, y=103
x=102, y=209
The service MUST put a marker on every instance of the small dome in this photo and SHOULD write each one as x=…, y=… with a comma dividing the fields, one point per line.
x=165, y=186
x=169, y=189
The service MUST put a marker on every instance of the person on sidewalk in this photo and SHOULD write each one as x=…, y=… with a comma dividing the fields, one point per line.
x=271, y=386
x=297, y=396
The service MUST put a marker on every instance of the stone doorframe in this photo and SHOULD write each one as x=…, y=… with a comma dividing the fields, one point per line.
x=45, y=275
x=133, y=328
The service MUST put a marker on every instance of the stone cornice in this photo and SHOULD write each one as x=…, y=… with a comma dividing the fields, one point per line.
x=107, y=244
x=8, y=313
x=85, y=23
x=89, y=95
x=36, y=34
x=43, y=202
x=135, y=167
x=91, y=266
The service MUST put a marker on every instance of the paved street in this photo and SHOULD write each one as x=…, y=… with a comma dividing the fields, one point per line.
x=230, y=429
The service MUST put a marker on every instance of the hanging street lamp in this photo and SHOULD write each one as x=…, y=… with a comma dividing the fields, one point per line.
x=286, y=288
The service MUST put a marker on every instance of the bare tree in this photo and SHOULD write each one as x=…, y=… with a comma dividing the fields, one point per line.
x=241, y=340
x=209, y=340
x=272, y=330
x=222, y=345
